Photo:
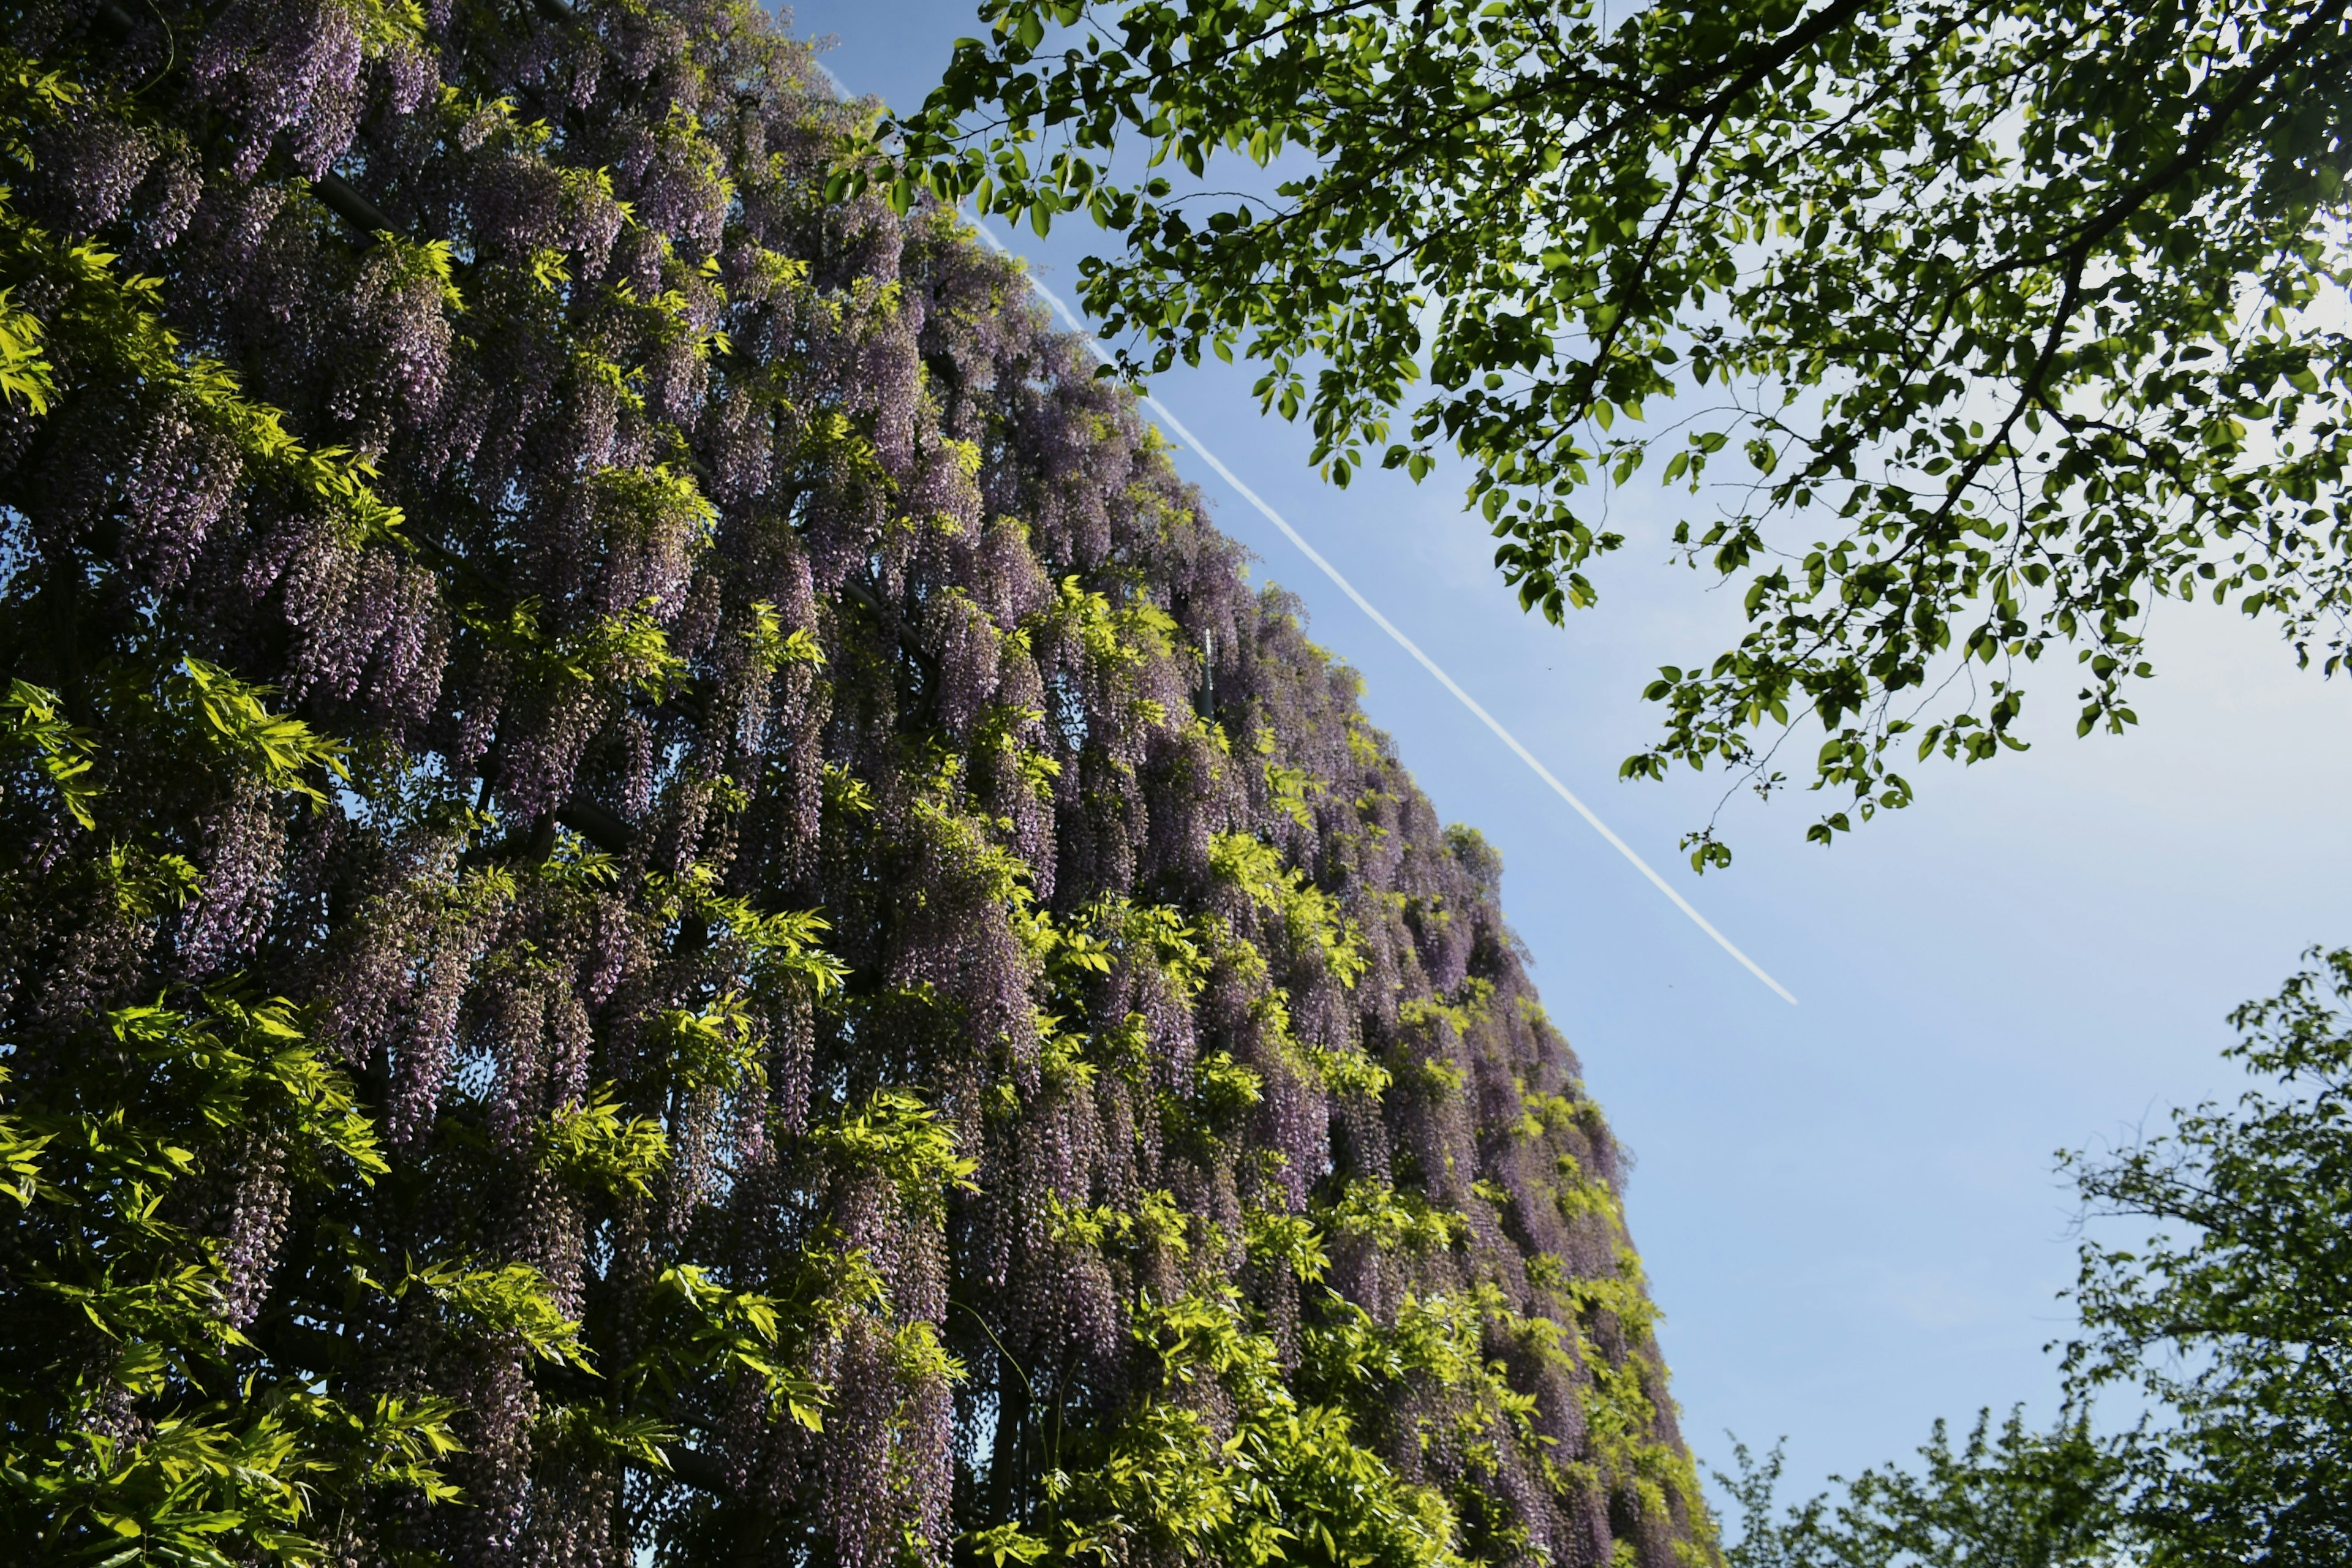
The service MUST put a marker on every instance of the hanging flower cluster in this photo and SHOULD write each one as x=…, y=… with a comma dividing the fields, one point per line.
x=660, y=890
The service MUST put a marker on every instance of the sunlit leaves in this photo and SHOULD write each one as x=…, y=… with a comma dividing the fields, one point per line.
x=776, y=647
x=104, y=308
x=897, y=1135
x=1292, y=1479
x=1390, y=1220
x=222, y=1474
x=25, y=375
x=729, y=1334
x=283, y=751
x=602, y=1146
x=31, y=722
x=501, y=1298
x=1308, y=916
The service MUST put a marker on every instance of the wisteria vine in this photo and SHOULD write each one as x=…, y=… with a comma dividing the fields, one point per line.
x=660, y=890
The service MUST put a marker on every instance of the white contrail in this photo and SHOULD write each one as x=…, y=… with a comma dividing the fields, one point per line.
x=1176, y=425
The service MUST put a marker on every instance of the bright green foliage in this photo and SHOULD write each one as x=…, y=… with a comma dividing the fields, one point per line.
x=1307, y=916
x=734, y=1334
x=2011, y=1498
x=598, y=1146
x=1389, y=1220
x=24, y=374
x=281, y=753
x=1291, y=1483
x=124, y=1284
x=109, y=1297
x=1983, y=327
x=897, y=1136
x=35, y=730
x=115, y=316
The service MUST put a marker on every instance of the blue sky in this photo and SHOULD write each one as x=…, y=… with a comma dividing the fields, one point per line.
x=1848, y=1207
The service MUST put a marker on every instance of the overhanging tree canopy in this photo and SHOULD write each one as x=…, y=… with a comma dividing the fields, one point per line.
x=1987, y=325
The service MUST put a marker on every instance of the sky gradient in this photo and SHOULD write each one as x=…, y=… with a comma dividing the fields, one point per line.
x=1848, y=1208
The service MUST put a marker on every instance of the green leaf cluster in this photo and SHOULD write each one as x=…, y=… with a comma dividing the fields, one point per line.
x=115, y=1297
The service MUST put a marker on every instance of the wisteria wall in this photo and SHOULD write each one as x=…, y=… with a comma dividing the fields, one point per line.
x=660, y=888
